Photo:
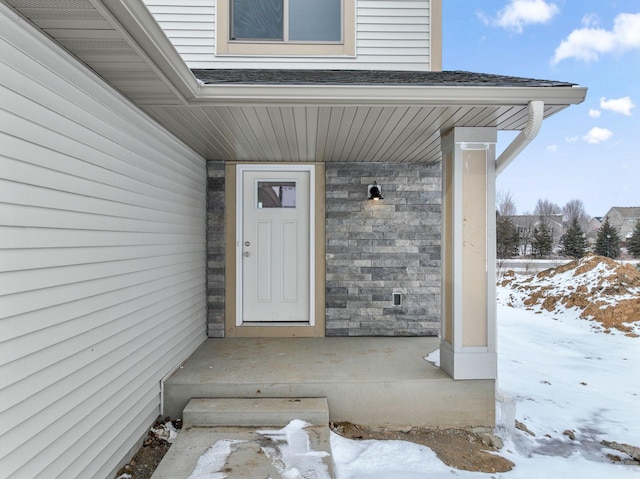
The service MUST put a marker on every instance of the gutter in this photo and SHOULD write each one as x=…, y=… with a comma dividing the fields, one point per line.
x=526, y=136
x=382, y=95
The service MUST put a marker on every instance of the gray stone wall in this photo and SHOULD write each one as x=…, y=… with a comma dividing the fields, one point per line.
x=215, y=249
x=376, y=248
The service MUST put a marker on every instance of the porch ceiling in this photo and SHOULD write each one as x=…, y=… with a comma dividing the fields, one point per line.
x=252, y=121
x=328, y=133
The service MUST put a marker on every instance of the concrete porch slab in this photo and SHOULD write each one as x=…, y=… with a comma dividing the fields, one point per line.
x=368, y=380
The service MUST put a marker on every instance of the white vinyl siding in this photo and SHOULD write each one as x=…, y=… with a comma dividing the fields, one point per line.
x=390, y=35
x=102, y=263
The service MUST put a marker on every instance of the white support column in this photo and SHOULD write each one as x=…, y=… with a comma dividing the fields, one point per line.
x=468, y=347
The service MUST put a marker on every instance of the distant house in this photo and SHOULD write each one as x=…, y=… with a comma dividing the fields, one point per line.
x=526, y=225
x=624, y=219
x=147, y=180
x=593, y=226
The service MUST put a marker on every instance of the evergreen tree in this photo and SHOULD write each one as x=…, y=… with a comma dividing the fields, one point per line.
x=541, y=244
x=634, y=241
x=573, y=243
x=607, y=241
x=507, y=237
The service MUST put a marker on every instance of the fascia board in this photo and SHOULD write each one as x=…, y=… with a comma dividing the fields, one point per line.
x=380, y=95
x=143, y=33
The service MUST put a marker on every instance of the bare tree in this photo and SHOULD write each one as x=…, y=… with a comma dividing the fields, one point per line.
x=546, y=208
x=505, y=204
x=574, y=210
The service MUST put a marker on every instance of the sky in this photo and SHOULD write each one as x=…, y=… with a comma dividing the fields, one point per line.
x=590, y=151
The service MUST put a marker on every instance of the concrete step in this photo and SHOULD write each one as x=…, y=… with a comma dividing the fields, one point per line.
x=251, y=438
x=255, y=412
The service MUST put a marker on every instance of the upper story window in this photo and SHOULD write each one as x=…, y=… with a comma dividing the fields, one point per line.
x=285, y=27
x=286, y=20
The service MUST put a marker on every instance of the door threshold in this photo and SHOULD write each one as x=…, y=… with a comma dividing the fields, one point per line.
x=266, y=324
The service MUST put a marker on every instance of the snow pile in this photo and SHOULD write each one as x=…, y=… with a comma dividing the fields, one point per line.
x=387, y=460
x=166, y=432
x=291, y=453
x=595, y=287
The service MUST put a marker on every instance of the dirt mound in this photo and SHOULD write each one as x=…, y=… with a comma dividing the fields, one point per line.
x=602, y=290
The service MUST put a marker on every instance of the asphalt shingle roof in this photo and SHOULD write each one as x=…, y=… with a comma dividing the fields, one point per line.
x=366, y=77
x=627, y=211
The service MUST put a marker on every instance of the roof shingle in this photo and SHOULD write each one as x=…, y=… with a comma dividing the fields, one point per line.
x=366, y=77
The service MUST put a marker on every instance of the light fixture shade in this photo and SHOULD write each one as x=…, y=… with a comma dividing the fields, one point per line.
x=374, y=192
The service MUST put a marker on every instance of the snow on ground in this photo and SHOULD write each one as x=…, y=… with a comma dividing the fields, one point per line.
x=166, y=431
x=560, y=375
x=386, y=460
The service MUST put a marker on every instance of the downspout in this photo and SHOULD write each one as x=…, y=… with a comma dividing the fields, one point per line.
x=526, y=136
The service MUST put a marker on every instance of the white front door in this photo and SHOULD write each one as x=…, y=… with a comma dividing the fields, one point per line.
x=274, y=244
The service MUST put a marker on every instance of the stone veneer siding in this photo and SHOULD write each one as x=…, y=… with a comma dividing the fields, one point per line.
x=215, y=249
x=376, y=248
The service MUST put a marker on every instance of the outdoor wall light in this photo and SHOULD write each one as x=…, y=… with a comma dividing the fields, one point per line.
x=374, y=192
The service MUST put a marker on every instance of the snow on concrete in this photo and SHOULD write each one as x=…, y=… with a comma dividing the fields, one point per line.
x=292, y=454
x=211, y=464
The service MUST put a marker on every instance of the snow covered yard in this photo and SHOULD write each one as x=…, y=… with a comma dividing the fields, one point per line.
x=571, y=384
x=566, y=379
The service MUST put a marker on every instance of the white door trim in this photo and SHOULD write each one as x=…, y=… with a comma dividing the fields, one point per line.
x=240, y=169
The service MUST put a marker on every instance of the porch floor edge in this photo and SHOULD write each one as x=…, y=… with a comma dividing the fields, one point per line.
x=367, y=380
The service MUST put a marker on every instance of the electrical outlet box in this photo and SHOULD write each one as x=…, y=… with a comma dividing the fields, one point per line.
x=397, y=299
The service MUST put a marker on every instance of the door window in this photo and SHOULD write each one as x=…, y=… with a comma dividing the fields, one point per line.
x=276, y=194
